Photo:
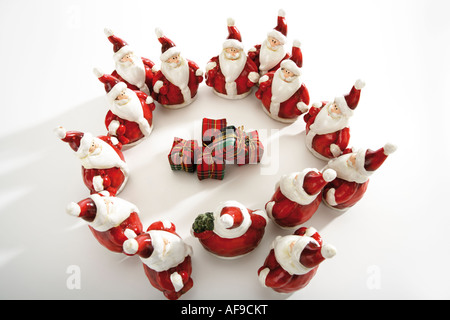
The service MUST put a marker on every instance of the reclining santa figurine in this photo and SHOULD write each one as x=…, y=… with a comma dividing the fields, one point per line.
x=293, y=260
x=231, y=231
x=103, y=165
x=166, y=258
x=327, y=124
x=353, y=171
x=111, y=220
x=298, y=196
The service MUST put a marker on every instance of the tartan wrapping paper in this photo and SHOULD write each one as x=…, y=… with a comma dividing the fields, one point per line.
x=211, y=129
x=248, y=147
x=183, y=155
x=223, y=146
x=208, y=167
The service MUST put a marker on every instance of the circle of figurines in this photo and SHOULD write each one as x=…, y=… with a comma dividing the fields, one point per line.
x=231, y=230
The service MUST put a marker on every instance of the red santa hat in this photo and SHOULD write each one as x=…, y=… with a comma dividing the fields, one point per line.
x=113, y=86
x=80, y=142
x=85, y=209
x=349, y=102
x=234, y=39
x=168, y=47
x=314, y=181
x=280, y=31
x=368, y=161
x=120, y=47
x=295, y=62
x=313, y=252
x=231, y=217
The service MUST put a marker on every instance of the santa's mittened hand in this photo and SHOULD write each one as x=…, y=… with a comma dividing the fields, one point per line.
x=210, y=66
x=335, y=150
x=330, y=197
x=253, y=77
x=302, y=107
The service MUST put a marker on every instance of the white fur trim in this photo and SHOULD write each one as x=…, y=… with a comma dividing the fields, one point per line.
x=121, y=52
x=97, y=181
x=230, y=22
x=169, y=53
x=359, y=84
x=288, y=256
x=263, y=275
x=342, y=104
x=159, y=33
x=85, y=144
x=296, y=43
x=97, y=72
x=227, y=220
x=60, y=132
x=222, y=230
x=108, y=32
x=116, y=90
x=158, y=85
x=130, y=246
x=198, y=73
x=389, y=148
x=291, y=187
x=232, y=43
x=330, y=197
x=329, y=175
x=277, y=35
x=317, y=104
x=253, y=49
x=291, y=66
x=281, y=13
x=303, y=107
x=73, y=209
x=177, y=281
x=328, y=251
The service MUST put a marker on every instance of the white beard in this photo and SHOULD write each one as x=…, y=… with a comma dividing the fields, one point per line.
x=282, y=90
x=111, y=212
x=326, y=123
x=177, y=75
x=231, y=69
x=133, y=72
x=269, y=58
x=104, y=157
x=131, y=110
x=346, y=171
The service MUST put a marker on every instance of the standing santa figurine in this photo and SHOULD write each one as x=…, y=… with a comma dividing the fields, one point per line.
x=176, y=84
x=283, y=95
x=231, y=231
x=102, y=161
x=298, y=196
x=353, y=172
x=293, y=260
x=130, y=117
x=268, y=55
x=137, y=72
x=232, y=74
x=165, y=257
x=111, y=220
x=327, y=124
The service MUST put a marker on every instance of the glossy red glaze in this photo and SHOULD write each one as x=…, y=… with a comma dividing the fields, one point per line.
x=347, y=193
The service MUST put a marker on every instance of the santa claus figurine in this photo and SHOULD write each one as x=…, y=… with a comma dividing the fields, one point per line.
x=353, y=172
x=231, y=231
x=137, y=72
x=327, y=124
x=293, y=260
x=130, y=117
x=102, y=161
x=297, y=197
x=176, y=84
x=283, y=95
x=112, y=220
x=165, y=257
x=268, y=55
x=232, y=74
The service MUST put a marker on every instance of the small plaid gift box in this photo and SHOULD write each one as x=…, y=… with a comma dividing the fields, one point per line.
x=211, y=129
x=248, y=147
x=209, y=167
x=183, y=155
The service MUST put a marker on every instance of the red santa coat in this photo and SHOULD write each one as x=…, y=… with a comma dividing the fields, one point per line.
x=111, y=220
x=242, y=237
x=346, y=194
x=278, y=272
x=170, y=95
x=288, y=110
x=216, y=79
x=319, y=144
x=149, y=74
x=130, y=132
x=253, y=54
x=172, y=276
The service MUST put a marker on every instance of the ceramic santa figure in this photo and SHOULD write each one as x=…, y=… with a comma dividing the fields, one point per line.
x=293, y=260
x=231, y=231
x=130, y=115
x=112, y=220
x=268, y=55
x=176, y=84
x=283, y=95
x=297, y=197
x=165, y=257
x=353, y=172
x=102, y=161
x=137, y=72
x=327, y=124
x=232, y=74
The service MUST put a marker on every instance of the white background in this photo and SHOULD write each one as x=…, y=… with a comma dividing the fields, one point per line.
x=392, y=245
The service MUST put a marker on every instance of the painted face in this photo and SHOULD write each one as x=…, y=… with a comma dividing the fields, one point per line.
x=351, y=161
x=232, y=51
x=334, y=109
x=95, y=148
x=127, y=58
x=174, y=60
x=288, y=75
x=122, y=96
x=274, y=43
